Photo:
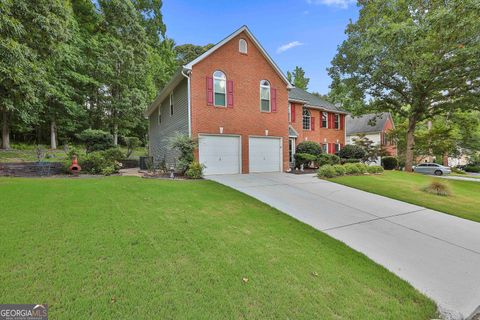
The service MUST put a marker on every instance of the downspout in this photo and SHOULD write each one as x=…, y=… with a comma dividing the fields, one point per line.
x=189, y=109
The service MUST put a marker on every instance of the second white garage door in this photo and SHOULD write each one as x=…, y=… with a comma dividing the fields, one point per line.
x=265, y=154
x=219, y=154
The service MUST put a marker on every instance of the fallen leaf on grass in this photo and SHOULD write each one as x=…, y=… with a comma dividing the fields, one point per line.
x=245, y=279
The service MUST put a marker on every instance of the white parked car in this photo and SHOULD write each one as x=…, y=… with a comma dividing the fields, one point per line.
x=432, y=168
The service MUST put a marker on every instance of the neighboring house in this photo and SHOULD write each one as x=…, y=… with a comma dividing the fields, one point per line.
x=375, y=128
x=314, y=119
x=235, y=100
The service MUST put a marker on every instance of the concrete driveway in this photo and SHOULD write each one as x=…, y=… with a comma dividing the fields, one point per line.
x=439, y=254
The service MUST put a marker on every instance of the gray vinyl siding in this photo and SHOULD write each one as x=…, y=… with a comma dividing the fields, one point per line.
x=160, y=133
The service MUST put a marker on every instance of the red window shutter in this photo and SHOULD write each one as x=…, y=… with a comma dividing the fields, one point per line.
x=273, y=97
x=342, y=121
x=292, y=110
x=209, y=91
x=312, y=123
x=331, y=147
x=230, y=93
x=332, y=119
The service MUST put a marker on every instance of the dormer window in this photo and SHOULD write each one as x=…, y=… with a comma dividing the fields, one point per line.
x=242, y=46
x=220, y=89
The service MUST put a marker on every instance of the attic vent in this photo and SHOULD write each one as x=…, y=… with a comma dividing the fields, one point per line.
x=242, y=46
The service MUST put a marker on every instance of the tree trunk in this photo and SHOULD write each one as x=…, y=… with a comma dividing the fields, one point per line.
x=410, y=144
x=53, y=135
x=445, y=159
x=5, y=131
x=115, y=134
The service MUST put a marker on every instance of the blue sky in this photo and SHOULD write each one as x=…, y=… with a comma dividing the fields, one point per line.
x=309, y=31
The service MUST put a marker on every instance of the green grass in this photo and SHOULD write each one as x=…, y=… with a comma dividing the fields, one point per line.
x=464, y=201
x=127, y=248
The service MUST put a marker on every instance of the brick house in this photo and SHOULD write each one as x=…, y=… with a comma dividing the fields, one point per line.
x=375, y=127
x=235, y=100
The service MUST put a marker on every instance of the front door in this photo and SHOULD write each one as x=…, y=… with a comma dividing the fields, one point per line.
x=291, y=150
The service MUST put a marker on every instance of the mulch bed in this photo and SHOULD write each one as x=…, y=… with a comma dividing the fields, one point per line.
x=305, y=171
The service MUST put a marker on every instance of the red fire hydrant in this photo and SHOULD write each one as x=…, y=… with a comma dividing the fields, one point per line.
x=75, y=168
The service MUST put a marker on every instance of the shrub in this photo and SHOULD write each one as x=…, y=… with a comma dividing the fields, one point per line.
x=108, y=170
x=374, y=169
x=309, y=147
x=195, y=170
x=324, y=159
x=458, y=171
x=326, y=171
x=339, y=169
x=131, y=143
x=96, y=140
x=362, y=168
x=389, y=163
x=185, y=146
x=472, y=168
x=343, y=161
x=352, y=152
x=101, y=162
x=351, y=168
x=113, y=154
x=437, y=188
x=304, y=158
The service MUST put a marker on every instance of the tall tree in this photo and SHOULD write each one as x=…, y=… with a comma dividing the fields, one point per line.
x=188, y=52
x=298, y=79
x=125, y=53
x=414, y=58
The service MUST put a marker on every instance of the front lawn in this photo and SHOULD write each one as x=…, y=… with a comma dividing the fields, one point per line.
x=130, y=248
x=464, y=201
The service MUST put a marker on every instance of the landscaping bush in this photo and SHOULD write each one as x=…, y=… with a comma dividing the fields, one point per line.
x=324, y=159
x=113, y=154
x=351, y=168
x=101, y=162
x=362, y=168
x=339, y=169
x=458, y=170
x=309, y=147
x=185, y=146
x=195, y=170
x=374, y=169
x=389, y=163
x=304, y=158
x=326, y=171
x=438, y=188
x=472, y=168
x=131, y=143
x=352, y=152
x=96, y=140
x=343, y=161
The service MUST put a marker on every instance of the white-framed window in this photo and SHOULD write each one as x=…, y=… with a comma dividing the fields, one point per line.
x=337, y=121
x=264, y=96
x=289, y=112
x=171, y=103
x=220, y=89
x=306, y=119
x=337, y=147
x=160, y=115
x=324, y=119
x=242, y=46
x=324, y=148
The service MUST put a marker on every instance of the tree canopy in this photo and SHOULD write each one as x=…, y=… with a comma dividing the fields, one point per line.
x=413, y=58
x=298, y=78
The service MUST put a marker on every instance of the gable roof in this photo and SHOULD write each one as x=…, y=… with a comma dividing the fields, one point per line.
x=245, y=29
x=312, y=101
x=367, y=123
x=163, y=94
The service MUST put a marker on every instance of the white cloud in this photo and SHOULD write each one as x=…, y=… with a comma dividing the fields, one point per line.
x=334, y=3
x=289, y=46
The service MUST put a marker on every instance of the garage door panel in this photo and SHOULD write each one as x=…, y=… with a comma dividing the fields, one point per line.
x=220, y=154
x=264, y=154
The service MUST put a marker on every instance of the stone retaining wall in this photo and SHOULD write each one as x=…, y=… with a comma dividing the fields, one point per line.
x=30, y=169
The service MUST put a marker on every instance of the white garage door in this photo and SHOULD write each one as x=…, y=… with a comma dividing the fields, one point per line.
x=219, y=154
x=265, y=154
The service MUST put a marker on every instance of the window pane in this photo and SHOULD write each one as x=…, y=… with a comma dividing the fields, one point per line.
x=265, y=105
x=219, y=99
x=265, y=93
x=220, y=86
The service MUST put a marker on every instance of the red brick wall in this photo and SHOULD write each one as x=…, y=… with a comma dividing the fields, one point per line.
x=319, y=135
x=390, y=148
x=245, y=118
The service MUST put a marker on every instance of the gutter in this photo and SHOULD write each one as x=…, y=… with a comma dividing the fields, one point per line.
x=188, y=100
